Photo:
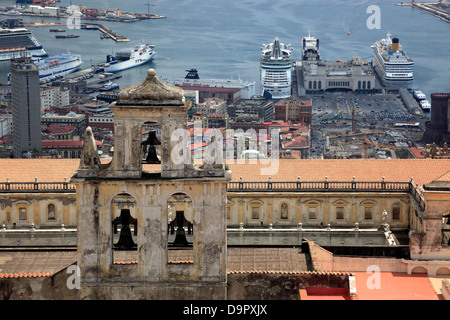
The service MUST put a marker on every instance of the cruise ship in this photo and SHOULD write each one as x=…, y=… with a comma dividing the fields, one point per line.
x=276, y=70
x=393, y=66
x=130, y=57
x=19, y=42
x=57, y=66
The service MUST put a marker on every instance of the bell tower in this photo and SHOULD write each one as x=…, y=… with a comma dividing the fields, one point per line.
x=140, y=195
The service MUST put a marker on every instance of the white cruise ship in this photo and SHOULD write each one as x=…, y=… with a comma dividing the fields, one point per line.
x=393, y=66
x=57, y=66
x=130, y=57
x=276, y=70
x=19, y=42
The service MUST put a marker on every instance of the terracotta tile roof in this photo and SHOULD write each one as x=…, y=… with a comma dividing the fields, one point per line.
x=422, y=170
x=395, y=286
x=444, y=177
x=25, y=275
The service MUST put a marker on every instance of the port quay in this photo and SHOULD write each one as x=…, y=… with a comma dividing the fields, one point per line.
x=89, y=14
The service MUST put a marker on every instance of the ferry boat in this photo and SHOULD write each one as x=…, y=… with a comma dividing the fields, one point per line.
x=192, y=79
x=276, y=69
x=19, y=42
x=419, y=95
x=391, y=63
x=310, y=47
x=425, y=105
x=130, y=57
x=57, y=66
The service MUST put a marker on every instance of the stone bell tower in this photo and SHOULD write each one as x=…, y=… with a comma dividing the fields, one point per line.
x=143, y=198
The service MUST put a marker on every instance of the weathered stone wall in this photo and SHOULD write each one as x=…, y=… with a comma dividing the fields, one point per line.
x=267, y=285
x=54, y=287
x=446, y=289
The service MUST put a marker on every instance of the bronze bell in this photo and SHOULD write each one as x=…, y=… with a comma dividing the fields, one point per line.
x=180, y=235
x=151, y=142
x=125, y=240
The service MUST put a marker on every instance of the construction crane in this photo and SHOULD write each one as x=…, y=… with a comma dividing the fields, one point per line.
x=148, y=7
x=44, y=3
x=366, y=144
x=353, y=120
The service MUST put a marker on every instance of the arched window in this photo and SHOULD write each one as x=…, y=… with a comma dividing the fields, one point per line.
x=180, y=217
x=51, y=212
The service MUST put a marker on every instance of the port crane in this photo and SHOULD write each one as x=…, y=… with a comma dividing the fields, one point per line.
x=368, y=143
x=44, y=3
x=148, y=7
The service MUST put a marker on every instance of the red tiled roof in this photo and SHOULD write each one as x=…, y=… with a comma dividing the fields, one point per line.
x=25, y=275
x=422, y=170
x=65, y=144
x=417, y=153
x=395, y=286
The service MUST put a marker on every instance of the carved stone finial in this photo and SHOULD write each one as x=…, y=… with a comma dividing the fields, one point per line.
x=151, y=92
x=90, y=161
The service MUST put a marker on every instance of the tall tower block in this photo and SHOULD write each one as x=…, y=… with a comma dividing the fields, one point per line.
x=26, y=106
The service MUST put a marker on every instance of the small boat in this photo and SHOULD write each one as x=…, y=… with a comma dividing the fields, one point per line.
x=66, y=36
x=57, y=30
x=109, y=86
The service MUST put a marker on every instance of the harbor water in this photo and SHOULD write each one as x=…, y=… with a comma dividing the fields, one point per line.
x=222, y=39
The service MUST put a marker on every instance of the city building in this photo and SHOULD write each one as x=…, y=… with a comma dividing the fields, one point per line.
x=211, y=106
x=263, y=108
x=5, y=125
x=355, y=75
x=26, y=107
x=54, y=97
x=256, y=230
x=437, y=130
x=212, y=120
x=71, y=118
x=294, y=110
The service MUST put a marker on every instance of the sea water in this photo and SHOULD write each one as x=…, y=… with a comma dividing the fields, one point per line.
x=223, y=39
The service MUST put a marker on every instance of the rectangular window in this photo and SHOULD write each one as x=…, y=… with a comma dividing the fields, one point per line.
x=339, y=213
x=255, y=212
x=22, y=213
x=368, y=213
x=312, y=213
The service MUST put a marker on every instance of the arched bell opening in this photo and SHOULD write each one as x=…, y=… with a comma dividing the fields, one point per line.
x=151, y=143
x=180, y=222
x=124, y=228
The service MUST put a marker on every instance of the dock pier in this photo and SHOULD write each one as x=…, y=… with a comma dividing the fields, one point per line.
x=106, y=32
